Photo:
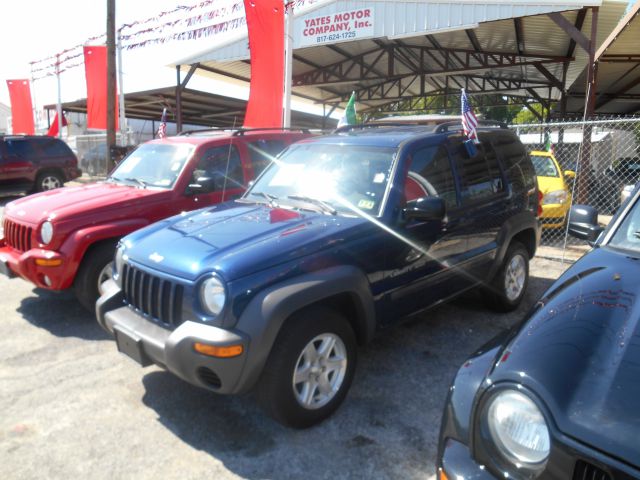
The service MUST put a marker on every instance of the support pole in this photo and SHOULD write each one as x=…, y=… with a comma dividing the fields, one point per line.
x=288, y=63
x=178, y=101
x=59, y=104
x=121, y=105
x=111, y=83
x=584, y=177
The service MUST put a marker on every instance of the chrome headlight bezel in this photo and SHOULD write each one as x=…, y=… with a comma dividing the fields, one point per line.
x=213, y=295
x=500, y=437
x=555, y=197
x=46, y=232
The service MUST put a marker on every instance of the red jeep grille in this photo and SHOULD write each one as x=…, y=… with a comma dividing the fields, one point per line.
x=17, y=236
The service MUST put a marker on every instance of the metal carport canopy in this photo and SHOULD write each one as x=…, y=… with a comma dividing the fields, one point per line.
x=414, y=49
x=618, y=73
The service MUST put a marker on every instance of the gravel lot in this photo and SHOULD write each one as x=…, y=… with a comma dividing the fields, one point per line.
x=73, y=407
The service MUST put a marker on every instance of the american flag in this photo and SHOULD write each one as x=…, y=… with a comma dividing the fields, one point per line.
x=162, y=129
x=469, y=119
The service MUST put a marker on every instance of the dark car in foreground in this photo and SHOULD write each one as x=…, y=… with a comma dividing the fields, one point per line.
x=558, y=397
x=35, y=163
x=341, y=236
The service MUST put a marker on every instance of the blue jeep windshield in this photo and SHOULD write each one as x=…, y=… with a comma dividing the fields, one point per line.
x=348, y=178
x=153, y=165
x=627, y=236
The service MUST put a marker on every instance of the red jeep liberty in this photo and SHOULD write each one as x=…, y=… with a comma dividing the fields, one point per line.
x=66, y=237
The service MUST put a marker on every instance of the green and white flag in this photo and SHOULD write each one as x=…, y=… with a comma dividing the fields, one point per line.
x=349, y=117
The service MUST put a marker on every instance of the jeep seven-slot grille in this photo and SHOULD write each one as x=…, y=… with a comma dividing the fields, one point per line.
x=159, y=299
x=17, y=236
x=587, y=471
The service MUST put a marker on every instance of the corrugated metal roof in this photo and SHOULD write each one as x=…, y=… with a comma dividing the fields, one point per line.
x=618, y=74
x=417, y=24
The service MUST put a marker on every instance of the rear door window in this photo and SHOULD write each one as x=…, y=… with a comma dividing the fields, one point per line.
x=518, y=166
x=480, y=175
x=22, y=148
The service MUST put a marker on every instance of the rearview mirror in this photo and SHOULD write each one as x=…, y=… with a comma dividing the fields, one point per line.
x=425, y=209
x=570, y=174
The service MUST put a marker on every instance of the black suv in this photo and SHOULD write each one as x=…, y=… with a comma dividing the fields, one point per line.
x=35, y=163
x=340, y=237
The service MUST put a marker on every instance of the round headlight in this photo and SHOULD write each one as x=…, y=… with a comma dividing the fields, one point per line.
x=46, y=232
x=518, y=428
x=118, y=262
x=212, y=295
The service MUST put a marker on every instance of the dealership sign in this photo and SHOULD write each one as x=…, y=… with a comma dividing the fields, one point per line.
x=336, y=27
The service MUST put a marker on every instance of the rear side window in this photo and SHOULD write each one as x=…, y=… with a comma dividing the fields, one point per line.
x=430, y=173
x=261, y=153
x=518, y=166
x=54, y=148
x=20, y=148
x=480, y=176
x=223, y=165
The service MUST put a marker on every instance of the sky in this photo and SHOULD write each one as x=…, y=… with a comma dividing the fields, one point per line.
x=31, y=30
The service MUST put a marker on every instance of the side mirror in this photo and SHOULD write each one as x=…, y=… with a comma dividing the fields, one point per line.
x=425, y=209
x=583, y=223
x=570, y=174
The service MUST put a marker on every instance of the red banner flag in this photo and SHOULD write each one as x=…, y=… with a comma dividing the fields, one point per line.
x=21, y=107
x=265, y=22
x=95, y=66
x=53, y=129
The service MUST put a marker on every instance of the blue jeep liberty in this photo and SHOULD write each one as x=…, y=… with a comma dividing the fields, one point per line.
x=341, y=236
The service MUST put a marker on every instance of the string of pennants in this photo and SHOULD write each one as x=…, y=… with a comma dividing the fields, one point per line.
x=159, y=29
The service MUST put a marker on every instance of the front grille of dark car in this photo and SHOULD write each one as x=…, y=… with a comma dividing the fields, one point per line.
x=588, y=471
x=17, y=236
x=152, y=296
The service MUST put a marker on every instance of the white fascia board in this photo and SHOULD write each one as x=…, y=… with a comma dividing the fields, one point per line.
x=389, y=18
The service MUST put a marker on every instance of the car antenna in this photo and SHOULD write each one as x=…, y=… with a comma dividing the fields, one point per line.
x=226, y=170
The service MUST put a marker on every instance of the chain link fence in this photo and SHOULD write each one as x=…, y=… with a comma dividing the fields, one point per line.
x=92, y=152
x=595, y=163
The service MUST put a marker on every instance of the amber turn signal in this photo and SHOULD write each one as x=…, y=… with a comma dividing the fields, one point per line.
x=215, y=351
x=49, y=262
x=442, y=475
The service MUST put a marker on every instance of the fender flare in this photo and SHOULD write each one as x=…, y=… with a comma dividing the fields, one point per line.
x=76, y=245
x=520, y=223
x=265, y=315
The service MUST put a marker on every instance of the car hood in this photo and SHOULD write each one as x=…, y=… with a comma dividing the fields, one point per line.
x=237, y=239
x=580, y=353
x=550, y=184
x=90, y=199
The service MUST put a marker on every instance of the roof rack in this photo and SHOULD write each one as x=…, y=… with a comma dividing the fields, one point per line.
x=445, y=127
x=362, y=126
x=236, y=132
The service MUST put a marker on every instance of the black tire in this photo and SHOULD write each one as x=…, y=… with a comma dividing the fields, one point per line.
x=276, y=391
x=502, y=294
x=48, y=181
x=94, y=263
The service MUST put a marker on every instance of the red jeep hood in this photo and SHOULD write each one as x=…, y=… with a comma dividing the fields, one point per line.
x=74, y=201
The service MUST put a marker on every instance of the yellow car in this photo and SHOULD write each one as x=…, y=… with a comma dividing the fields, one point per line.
x=553, y=183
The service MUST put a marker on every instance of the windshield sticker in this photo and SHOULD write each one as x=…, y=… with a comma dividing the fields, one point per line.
x=176, y=166
x=163, y=183
x=379, y=178
x=368, y=204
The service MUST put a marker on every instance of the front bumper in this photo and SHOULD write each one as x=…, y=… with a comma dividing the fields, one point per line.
x=147, y=343
x=554, y=215
x=456, y=462
x=25, y=265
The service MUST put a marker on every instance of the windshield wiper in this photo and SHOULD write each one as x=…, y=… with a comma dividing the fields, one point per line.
x=142, y=183
x=315, y=201
x=270, y=198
